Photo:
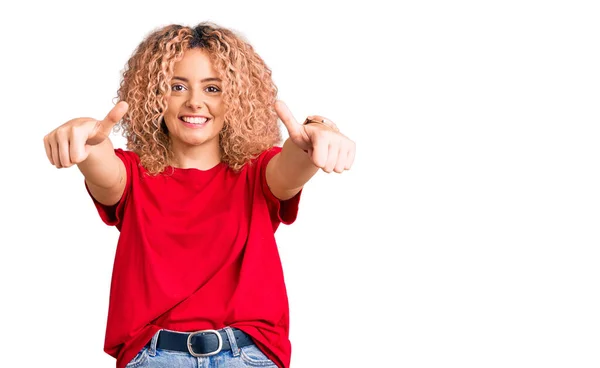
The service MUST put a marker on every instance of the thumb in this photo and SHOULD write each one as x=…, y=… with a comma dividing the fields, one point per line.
x=104, y=127
x=287, y=118
x=113, y=117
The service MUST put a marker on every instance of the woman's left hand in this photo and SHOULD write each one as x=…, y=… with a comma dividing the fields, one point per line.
x=328, y=149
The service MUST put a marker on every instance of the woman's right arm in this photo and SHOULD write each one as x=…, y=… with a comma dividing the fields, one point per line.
x=84, y=142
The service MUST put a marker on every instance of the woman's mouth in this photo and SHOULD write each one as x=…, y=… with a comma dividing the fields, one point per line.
x=194, y=121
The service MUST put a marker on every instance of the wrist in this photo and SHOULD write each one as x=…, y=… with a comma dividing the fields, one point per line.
x=328, y=123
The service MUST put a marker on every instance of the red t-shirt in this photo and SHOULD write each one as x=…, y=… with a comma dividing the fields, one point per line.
x=197, y=251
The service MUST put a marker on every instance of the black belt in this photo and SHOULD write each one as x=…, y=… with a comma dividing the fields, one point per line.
x=201, y=343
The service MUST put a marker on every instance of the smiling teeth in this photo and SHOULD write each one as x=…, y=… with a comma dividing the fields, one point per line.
x=194, y=120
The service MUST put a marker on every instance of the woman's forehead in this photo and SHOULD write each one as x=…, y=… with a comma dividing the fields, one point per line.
x=195, y=65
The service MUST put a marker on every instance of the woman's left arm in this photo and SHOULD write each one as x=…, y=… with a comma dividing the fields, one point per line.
x=310, y=147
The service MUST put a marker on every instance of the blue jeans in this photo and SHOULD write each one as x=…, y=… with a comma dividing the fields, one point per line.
x=246, y=356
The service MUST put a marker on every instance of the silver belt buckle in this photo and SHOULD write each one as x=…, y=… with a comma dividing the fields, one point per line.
x=191, y=350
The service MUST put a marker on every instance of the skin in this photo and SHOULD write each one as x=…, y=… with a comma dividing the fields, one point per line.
x=196, y=91
x=310, y=147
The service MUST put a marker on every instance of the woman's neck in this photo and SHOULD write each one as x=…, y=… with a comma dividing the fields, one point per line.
x=202, y=157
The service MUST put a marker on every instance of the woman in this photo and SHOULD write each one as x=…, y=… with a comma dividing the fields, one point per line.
x=197, y=197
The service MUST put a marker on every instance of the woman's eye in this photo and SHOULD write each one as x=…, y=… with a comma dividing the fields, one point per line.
x=213, y=89
x=177, y=88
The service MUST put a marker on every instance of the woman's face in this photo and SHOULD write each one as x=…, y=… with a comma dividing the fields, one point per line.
x=195, y=109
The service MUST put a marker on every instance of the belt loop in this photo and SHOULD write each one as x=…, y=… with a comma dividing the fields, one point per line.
x=152, y=348
x=232, y=341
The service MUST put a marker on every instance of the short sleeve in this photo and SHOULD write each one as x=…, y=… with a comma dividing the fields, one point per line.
x=113, y=215
x=283, y=211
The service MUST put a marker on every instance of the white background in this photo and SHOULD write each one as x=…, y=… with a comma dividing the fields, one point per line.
x=466, y=234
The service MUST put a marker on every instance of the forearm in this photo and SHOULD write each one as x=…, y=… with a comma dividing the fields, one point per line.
x=289, y=170
x=102, y=167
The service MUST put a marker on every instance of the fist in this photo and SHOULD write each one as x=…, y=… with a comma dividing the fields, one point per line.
x=70, y=143
x=327, y=148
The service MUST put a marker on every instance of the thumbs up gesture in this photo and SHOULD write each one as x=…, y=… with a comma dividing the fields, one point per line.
x=327, y=148
x=70, y=143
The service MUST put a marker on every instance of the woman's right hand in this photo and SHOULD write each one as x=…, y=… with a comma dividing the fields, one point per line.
x=70, y=143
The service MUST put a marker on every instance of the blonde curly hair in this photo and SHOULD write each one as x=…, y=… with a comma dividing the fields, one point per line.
x=249, y=94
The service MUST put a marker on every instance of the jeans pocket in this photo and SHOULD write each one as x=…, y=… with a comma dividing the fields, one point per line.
x=252, y=356
x=139, y=359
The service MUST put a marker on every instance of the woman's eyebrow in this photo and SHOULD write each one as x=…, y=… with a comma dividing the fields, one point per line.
x=211, y=79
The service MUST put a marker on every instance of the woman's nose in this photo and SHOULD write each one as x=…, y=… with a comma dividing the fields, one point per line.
x=195, y=100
